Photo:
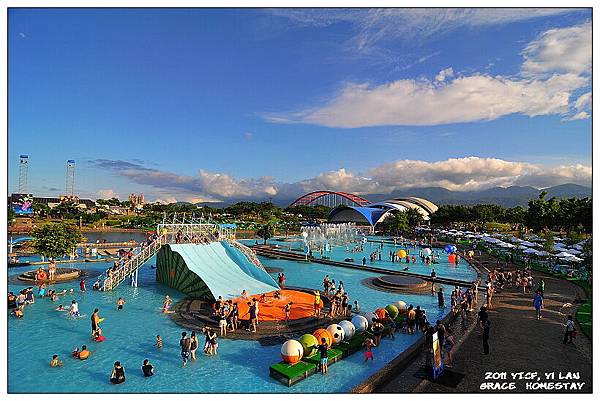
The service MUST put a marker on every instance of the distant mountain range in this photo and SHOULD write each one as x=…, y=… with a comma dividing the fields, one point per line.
x=508, y=197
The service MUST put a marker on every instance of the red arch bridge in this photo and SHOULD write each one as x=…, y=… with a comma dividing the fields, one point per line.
x=330, y=199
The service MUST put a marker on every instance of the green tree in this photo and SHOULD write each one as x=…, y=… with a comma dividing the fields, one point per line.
x=266, y=231
x=11, y=216
x=413, y=219
x=41, y=209
x=55, y=239
x=548, y=242
x=396, y=223
x=587, y=255
x=310, y=212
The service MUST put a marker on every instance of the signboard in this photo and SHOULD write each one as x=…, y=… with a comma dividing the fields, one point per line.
x=23, y=204
x=438, y=363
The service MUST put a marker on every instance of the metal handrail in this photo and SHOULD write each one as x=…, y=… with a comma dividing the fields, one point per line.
x=249, y=253
x=133, y=264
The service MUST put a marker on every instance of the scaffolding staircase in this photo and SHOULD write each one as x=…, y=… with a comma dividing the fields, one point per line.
x=130, y=267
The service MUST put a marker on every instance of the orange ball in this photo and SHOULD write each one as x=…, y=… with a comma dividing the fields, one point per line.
x=381, y=313
x=322, y=333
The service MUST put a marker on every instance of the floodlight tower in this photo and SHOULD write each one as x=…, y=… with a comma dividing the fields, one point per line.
x=23, y=169
x=70, y=179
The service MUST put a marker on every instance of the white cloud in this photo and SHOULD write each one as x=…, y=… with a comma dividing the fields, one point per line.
x=546, y=177
x=555, y=67
x=107, y=194
x=583, y=101
x=582, y=115
x=383, y=25
x=446, y=73
x=421, y=102
x=562, y=50
x=459, y=174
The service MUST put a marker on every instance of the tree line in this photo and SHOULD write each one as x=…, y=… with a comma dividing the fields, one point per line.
x=541, y=214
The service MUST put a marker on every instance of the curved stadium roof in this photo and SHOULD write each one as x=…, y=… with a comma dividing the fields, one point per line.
x=375, y=213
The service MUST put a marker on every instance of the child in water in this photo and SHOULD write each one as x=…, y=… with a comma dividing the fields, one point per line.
x=120, y=303
x=19, y=312
x=287, y=309
x=98, y=335
x=368, y=344
x=55, y=362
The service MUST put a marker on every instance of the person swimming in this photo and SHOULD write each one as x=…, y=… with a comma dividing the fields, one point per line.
x=74, y=310
x=75, y=353
x=84, y=353
x=55, y=362
x=159, y=342
x=166, y=304
x=60, y=308
x=147, y=368
x=98, y=337
x=118, y=374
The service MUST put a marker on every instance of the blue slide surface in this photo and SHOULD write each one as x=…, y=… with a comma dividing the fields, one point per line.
x=225, y=270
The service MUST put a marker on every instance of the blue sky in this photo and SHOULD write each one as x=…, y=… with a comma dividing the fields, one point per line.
x=223, y=104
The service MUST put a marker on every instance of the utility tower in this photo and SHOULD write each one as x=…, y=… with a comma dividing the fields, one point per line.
x=23, y=169
x=70, y=179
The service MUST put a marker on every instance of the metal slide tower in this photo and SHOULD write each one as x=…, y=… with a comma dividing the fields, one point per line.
x=70, y=179
x=23, y=170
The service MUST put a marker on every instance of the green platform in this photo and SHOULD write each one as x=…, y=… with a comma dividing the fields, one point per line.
x=292, y=374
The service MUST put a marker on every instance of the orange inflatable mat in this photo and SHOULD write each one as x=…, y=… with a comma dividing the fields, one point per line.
x=272, y=309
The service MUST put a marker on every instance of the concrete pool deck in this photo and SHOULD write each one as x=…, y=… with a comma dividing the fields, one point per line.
x=518, y=342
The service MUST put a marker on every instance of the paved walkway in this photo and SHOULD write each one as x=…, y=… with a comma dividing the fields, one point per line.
x=518, y=343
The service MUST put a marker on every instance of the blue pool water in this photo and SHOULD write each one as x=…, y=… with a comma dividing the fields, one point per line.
x=462, y=271
x=240, y=366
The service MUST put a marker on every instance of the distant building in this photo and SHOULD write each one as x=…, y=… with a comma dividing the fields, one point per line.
x=137, y=201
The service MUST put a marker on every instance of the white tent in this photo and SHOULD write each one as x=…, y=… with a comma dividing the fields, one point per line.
x=572, y=258
x=542, y=253
x=564, y=255
x=574, y=251
x=527, y=243
x=530, y=251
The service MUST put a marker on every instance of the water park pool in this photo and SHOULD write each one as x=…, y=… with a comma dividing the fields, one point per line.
x=240, y=366
x=460, y=271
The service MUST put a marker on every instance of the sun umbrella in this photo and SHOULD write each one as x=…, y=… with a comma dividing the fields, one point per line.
x=572, y=258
